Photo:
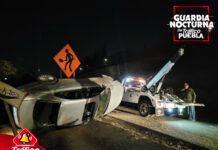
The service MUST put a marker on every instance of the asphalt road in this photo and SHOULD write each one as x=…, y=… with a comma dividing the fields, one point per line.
x=105, y=133
x=125, y=129
x=96, y=135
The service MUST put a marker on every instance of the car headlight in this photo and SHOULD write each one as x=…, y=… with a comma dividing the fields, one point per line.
x=46, y=77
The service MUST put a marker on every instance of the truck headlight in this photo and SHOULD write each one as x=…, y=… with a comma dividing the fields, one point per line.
x=170, y=109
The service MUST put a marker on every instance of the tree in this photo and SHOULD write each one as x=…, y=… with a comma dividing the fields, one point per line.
x=6, y=68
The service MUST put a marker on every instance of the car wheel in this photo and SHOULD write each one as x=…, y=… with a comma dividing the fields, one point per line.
x=143, y=108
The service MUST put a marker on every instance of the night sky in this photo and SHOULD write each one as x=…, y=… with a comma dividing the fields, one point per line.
x=31, y=36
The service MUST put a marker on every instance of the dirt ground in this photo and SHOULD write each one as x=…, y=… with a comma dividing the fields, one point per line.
x=195, y=132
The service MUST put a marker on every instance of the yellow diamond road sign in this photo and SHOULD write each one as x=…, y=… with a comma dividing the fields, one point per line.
x=11, y=95
x=67, y=60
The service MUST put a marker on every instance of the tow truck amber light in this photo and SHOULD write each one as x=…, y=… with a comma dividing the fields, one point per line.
x=142, y=81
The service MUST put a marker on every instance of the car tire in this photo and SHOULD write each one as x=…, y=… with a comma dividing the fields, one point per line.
x=143, y=108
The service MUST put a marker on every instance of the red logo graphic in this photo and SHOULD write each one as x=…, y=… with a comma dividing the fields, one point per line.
x=25, y=138
x=191, y=23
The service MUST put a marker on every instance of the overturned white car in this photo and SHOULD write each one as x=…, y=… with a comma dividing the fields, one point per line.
x=66, y=102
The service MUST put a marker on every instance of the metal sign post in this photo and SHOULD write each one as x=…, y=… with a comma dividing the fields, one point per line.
x=12, y=96
x=13, y=126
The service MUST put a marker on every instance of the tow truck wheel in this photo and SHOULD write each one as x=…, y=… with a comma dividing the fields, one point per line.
x=143, y=108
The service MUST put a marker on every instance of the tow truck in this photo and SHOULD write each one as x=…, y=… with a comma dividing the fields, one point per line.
x=149, y=96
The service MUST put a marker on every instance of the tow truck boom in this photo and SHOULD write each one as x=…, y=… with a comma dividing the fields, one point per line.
x=165, y=69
